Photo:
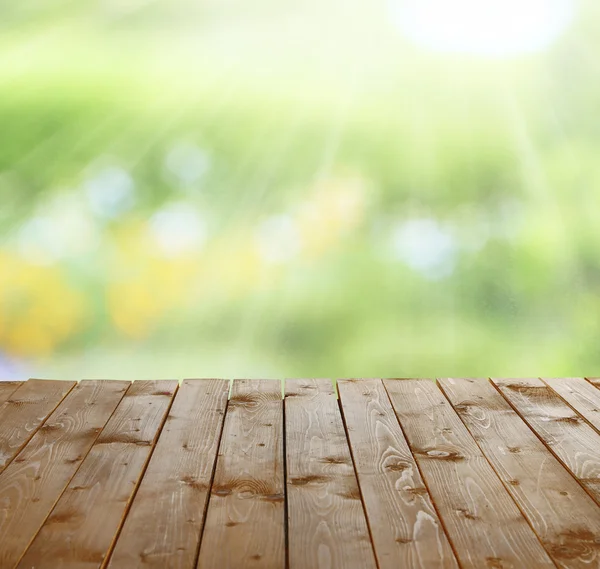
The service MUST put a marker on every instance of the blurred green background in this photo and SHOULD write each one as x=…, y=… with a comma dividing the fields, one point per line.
x=299, y=188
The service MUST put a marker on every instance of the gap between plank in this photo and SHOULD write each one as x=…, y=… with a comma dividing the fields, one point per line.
x=42, y=423
x=286, y=529
x=578, y=413
x=111, y=547
x=212, y=479
x=594, y=498
x=450, y=542
x=362, y=500
x=441, y=388
x=74, y=473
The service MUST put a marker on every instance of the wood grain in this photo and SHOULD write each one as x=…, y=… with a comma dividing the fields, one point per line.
x=7, y=388
x=484, y=525
x=164, y=524
x=327, y=527
x=564, y=517
x=31, y=485
x=81, y=529
x=245, y=519
x=595, y=381
x=579, y=394
x=575, y=443
x=407, y=532
x=24, y=412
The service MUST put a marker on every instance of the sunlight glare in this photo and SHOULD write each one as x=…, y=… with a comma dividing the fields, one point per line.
x=492, y=28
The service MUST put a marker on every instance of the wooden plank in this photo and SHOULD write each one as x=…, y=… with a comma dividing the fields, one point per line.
x=326, y=521
x=595, y=381
x=575, y=443
x=483, y=523
x=564, y=517
x=31, y=485
x=7, y=388
x=579, y=394
x=406, y=528
x=246, y=514
x=165, y=522
x=24, y=411
x=82, y=527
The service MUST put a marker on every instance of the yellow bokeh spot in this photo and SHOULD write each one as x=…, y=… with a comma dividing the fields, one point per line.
x=146, y=286
x=338, y=205
x=39, y=309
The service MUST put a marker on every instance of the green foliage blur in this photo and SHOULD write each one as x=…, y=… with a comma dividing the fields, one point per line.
x=203, y=188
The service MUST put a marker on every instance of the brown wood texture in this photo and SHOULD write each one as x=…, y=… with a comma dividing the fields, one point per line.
x=326, y=520
x=483, y=523
x=246, y=513
x=24, y=411
x=571, y=439
x=579, y=394
x=31, y=485
x=396, y=473
x=82, y=527
x=165, y=522
x=561, y=513
x=408, y=531
x=7, y=388
x=594, y=381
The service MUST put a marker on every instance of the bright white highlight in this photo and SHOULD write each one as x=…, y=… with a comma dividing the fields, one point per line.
x=425, y=246
x=110, y=192
x=61, y=228
x=188, y=163
x=178, y=229
x=278, y=239
x=494, y=28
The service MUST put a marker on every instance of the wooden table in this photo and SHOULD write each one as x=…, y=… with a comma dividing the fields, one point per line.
x=395, y=473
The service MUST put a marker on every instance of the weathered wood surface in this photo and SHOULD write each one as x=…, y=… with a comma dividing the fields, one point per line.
x=409, y=533
x=84, y=523
x=326, y=519
x=7, y=388
x=483, y=522
x=395, y=473
x=246, y=513
x=23, y=413
x=581, y=395
x=568, y=436
x=32, y=484
x=561, y=513
x=164, y=524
